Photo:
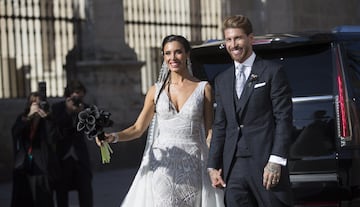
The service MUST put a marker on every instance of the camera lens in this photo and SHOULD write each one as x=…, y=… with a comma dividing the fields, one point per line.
x=76, y=100
x=44, y=106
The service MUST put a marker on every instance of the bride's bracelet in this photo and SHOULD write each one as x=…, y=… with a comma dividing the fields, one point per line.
x=116, y=137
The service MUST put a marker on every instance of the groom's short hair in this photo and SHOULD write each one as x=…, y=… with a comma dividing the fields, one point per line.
x=238, y=21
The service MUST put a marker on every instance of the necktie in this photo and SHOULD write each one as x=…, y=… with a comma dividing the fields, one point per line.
x=240, y=79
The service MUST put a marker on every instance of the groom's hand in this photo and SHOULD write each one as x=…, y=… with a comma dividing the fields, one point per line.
x=216, y=179
x=271, y=176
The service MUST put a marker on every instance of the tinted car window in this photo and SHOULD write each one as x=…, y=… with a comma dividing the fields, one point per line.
x=309, y=69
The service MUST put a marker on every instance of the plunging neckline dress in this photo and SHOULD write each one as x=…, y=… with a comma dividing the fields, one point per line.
x=173, y=169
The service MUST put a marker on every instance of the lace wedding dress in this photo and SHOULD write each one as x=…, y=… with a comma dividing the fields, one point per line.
x=173, y=170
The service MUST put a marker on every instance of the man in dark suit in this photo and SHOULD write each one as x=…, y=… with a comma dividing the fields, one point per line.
x=252, y=127
x=71, y=148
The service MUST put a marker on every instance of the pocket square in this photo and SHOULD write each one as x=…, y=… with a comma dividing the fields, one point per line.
x=260, y=85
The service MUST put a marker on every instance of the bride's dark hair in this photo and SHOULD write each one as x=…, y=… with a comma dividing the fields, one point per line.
x=178, y=38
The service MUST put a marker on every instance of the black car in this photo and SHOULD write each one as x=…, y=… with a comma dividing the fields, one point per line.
x=324, y=73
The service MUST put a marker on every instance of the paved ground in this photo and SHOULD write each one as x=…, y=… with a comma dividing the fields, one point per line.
x=110, y=182
x=109, y=187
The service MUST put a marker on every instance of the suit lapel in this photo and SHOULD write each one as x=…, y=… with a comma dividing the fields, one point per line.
x=257, y=69
x=229, y=87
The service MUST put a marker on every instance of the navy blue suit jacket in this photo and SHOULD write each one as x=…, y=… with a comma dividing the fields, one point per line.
x=264, y=120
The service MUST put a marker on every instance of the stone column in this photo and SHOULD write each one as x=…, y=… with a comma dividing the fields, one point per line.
x=103, y=33
x=109, y=67
x=110, y=71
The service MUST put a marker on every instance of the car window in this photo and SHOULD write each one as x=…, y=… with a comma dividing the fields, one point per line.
x=352, y=55
x=309, y=68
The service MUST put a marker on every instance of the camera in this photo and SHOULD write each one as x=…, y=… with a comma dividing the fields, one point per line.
x=76, y=100
x=44, y=105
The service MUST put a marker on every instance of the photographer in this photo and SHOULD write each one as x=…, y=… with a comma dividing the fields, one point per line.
x=71, y=148
x=34, y=155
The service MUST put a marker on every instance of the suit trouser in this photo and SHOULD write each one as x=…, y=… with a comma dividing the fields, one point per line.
x=74, y=177
x=243, y=189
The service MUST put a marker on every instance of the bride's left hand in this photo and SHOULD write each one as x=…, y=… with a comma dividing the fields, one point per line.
x=109, y=138
x=98, y=142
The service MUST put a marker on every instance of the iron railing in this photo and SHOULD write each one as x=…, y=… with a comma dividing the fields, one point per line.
x=35, y=39
x=148, y=22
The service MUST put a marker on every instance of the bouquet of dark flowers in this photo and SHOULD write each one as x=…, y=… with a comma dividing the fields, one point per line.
x=92, y=122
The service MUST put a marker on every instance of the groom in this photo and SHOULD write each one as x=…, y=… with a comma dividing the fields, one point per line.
x=252, y=127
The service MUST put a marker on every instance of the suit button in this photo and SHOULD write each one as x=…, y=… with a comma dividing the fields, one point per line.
x=241, y=126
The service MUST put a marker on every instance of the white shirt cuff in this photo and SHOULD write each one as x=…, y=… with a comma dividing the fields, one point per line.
x=278, y=160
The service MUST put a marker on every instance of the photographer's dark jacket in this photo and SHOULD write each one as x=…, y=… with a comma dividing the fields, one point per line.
x=70, y=142
x=41, y=144
x=35, y=166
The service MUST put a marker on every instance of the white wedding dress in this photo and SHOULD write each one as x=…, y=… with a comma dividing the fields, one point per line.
x=173, y=169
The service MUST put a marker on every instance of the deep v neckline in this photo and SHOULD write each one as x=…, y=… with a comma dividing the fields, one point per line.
x=178, y=110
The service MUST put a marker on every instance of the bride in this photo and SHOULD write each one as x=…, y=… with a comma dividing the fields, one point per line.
x=178, y=109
